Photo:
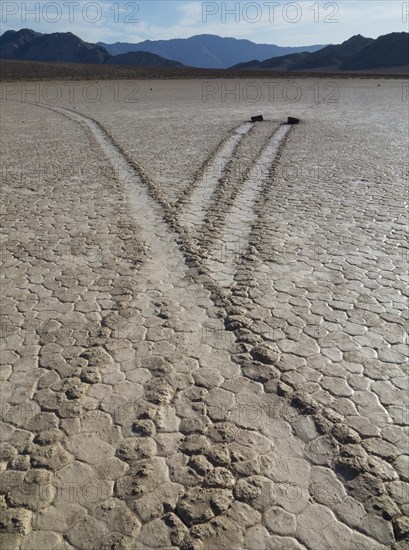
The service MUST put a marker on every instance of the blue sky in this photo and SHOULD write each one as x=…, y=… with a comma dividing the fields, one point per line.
x=274, y=22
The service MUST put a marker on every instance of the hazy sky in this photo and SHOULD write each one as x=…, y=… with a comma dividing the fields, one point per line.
x=284, y=23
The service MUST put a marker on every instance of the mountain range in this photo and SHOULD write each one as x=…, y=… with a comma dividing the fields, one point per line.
x=142, y=59
x=356, y=54
x=207, y=50
x=65, y=47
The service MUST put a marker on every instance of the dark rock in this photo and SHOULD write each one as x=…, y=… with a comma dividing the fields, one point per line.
x=143, y=428
x=401, y=528
x=235, y=322
x=48, y=437
x=259, y=372
x=20, y=462
x=383, y=506
x=144, y=410
x=344, y=434
x=91, y=375
x=178, y=530
x=264, y=355
x=15, y=521
x=246, y=336
x=305, y=403
x=200, y=464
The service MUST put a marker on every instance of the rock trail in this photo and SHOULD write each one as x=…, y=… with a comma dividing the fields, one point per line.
x=195, y=205
x=233, y=239
x=174, y=408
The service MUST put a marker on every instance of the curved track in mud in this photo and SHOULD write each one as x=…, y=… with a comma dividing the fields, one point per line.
x=210, y=445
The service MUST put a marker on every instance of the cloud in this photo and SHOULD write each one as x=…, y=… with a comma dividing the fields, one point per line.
x=191, y=14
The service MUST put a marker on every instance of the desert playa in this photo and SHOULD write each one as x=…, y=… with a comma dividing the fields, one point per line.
x=204, y=319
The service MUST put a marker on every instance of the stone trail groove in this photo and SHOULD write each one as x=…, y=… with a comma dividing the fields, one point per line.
x=195, y=467
x=234, y=237
x=195, y=205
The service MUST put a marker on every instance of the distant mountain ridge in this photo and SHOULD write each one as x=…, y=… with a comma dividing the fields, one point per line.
x=11, y=41
x=65, y=47
x=358, y=53
x=207, y=50
x=142, y=59
x=389, y=50
x=355, y=54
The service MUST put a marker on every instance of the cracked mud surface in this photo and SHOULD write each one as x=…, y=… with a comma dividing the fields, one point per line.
x=210, y=351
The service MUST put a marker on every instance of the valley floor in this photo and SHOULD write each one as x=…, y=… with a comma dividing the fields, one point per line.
x=204, y=320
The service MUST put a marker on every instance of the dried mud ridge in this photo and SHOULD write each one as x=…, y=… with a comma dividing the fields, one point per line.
x=193, y=470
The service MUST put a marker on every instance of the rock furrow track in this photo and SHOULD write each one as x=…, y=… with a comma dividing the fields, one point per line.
x=234, y=233
x=193, y=436
x=353, y=461
x=245, y=159
x=195, y=200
